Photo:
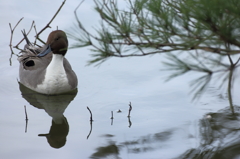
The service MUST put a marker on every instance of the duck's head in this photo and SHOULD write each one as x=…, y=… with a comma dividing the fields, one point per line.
x=57, y=43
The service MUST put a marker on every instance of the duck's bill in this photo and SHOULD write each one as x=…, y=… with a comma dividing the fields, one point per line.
x=45, y=52
x=43, y=134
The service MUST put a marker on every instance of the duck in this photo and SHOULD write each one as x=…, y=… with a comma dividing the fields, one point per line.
x=45, y=69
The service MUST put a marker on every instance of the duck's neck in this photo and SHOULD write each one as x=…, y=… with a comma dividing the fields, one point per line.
x=56, y=65
x=56, y=80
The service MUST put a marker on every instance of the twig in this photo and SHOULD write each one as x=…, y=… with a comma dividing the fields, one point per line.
x=48, y=24
x=26, y=118
x=78, y=21
x=130, y=108
x=75, y=11
x=37, y=34
x=111, y=118
x=12, y=30
x=10, y=44
x=90, y=114
x=16, y=46
x=129, y=111
x=35, y=41
x=90, y=123
x=25, y=112
x=112, y=114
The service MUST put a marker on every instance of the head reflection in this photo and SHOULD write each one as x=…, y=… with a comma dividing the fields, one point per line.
x=57, y=135
x=54, y=106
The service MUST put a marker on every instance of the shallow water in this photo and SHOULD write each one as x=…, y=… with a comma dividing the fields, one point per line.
x=164, y=123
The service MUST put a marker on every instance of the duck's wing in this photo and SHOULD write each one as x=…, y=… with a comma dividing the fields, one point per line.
x=32, y=70
x=72, y=77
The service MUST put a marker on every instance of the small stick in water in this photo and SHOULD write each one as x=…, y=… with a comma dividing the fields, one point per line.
x=91, y=120
x=25, y=112
x=90, y=114
x=130, y=108
x=111, y=118
x=112, y=115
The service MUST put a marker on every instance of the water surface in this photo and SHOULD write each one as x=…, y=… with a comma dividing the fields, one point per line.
x=164, y=123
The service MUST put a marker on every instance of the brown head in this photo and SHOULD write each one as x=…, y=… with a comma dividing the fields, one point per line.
x=57, y=43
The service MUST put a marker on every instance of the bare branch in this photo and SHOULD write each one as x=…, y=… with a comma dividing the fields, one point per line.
x=37, y=34
x=48, y=24
x=10, y=43
x=16, y=46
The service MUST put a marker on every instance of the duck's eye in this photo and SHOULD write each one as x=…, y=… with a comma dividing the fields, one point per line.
x=57, y=38
x=29, y=63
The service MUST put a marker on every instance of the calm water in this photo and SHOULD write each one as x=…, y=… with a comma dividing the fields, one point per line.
x=164, y=123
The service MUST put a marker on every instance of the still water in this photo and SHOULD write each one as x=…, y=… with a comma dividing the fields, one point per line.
x=164, y=123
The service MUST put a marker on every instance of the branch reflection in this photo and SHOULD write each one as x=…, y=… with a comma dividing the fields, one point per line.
x=90, y=131
x=219, y=136
x=142, y=144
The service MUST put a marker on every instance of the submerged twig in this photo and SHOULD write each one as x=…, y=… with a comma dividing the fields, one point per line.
x=130, y=108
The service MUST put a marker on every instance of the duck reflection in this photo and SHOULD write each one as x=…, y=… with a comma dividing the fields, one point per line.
x=54, y=105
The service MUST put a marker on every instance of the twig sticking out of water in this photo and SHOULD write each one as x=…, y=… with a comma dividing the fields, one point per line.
x=112, y=114
x=90, y=114
x=25, y=112
x=130, y=108
x=91, y=120
x=26, y=118
x=111, y=118
x=129, y=111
